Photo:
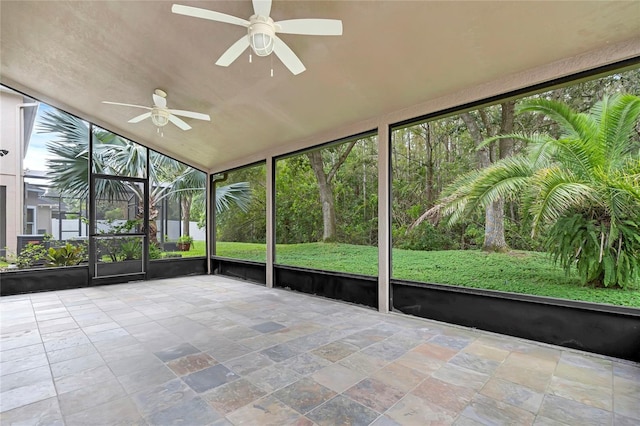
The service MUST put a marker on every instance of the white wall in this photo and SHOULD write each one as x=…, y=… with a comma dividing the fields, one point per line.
x=175, y=226
x=11, y=164
x=70, y=229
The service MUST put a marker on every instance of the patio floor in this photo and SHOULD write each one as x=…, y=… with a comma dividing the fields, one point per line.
x=209, y=350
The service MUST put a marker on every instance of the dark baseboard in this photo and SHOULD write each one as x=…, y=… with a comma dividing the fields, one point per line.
x=359, y=289
x=243, y=269
x=602, y=329
x=43, y=279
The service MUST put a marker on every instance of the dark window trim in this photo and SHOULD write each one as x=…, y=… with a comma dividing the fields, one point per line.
x=235, y=169
x=362, y=135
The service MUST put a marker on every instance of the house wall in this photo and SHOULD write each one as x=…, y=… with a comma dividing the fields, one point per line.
x=43, y=214
x=12, y=138
x=11, y=165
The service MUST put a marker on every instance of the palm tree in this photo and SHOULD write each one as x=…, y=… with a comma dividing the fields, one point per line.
x=118, y=156
x=580, y=189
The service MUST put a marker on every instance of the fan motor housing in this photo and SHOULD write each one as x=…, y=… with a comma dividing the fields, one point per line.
x=261, y=33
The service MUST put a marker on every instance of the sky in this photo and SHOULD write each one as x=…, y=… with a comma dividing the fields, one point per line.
x=37, y=151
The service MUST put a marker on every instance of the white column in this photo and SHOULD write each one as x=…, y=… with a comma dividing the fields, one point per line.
x=384, y=211
x=210, y=223
x=270, y=223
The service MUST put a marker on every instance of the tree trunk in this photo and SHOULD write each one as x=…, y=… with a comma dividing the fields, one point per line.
x=494, y=239
x=326, y=196
x=326, y=189
x=494, y=228
x=153, y=215
x=185, y=205
x=430, y=190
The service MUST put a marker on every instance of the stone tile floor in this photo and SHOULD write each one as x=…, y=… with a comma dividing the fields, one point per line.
x=210, y=350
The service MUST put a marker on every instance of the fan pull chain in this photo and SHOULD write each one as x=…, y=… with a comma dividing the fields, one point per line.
x=250, y=58
x=271, y=56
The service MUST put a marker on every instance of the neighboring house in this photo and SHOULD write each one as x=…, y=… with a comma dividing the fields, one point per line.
x=17, y=115
x=38, y=207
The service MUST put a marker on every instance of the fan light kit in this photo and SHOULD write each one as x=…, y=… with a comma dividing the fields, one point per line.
x=161, y=115
x=261, y=32
x=261, y=35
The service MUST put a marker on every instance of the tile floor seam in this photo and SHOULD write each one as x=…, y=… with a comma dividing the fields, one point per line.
x=48, y=363
x=47, y=356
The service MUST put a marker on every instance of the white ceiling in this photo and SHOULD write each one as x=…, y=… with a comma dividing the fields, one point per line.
x=393, y=55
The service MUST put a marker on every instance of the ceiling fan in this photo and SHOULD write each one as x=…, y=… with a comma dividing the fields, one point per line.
x=161, y=115
x=261, y=32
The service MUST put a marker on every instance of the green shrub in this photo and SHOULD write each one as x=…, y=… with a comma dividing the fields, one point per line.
x=130, y=249
x=67, y=255
x=603, y=255
x=518, y=237
x=154, y=251
x=185, y=239
x=31, y=255
x=425, y=237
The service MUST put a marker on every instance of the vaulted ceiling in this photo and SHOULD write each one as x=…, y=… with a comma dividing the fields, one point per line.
x=392, y=57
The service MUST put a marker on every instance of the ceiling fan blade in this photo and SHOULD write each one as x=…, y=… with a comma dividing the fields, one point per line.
x=159, y=101
x=233, y=52
x=288, y=58
x=140, y=117
x=311, y=26
x=262, y=7
x=129, y=105
x=190, y=114
x=211, y=15
x=178, y=122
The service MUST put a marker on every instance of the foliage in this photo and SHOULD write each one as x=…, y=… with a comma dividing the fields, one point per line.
x=591, y=170
x=67, y=255
x=154, y=252
x=299, y=216
x=119, y=248
x=130, y=249
x=577, y=241
x=185, y=239
x=424, y=237
x=31, y=255
x=249, y=224
x=516, y=271
x=114, y=214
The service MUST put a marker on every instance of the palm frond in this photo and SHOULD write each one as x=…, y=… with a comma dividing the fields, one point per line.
x=618, y=116
x=556, y=192
x=239, y=193
x=505, y=179
x=572, y=124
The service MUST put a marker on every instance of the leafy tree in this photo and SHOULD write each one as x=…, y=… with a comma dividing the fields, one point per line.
x=249, y=224
x=332, y=159
x=298, y=208
x=581, y=189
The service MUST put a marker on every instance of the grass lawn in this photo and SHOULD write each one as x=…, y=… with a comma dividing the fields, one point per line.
x=517, y=271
